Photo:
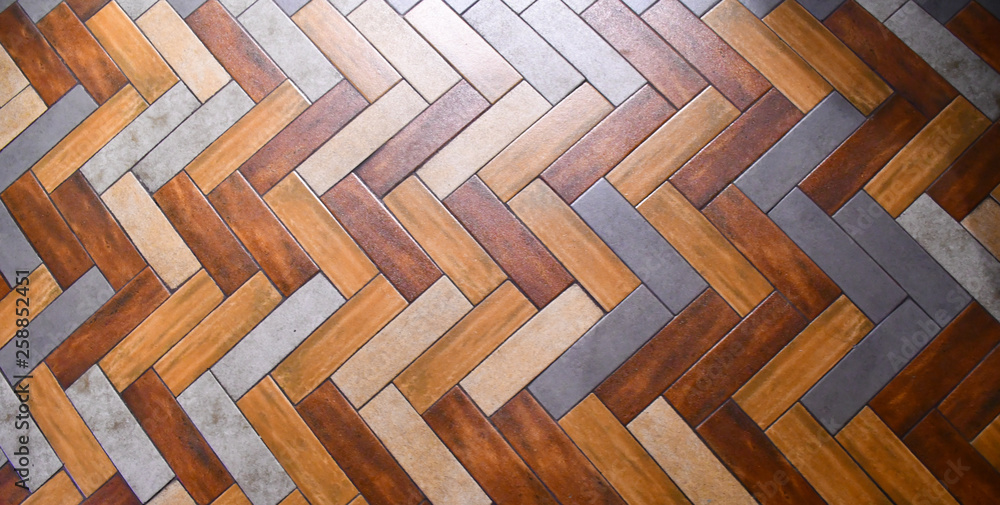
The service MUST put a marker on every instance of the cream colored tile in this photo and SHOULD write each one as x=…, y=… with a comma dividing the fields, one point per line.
x=12, y=81
x=18, y=113
x=173, y=494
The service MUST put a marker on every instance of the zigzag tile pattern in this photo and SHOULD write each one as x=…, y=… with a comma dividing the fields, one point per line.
x=412, y=252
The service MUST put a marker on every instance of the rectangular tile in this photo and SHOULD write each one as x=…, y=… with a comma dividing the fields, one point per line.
x=640, y=246
x=17, y=253
x=987, y=443
x=115, y=490
x=9, y=479
x=936, y=442
x=57, y=490
x=41, y=462
x=973, y=404
x=136, y=57
x=982, y=223
x=81, y=53
x=217, y=333
x=42, y=290
x=33, y=55
x=519, y=252
x=19, y=113
x=969, y=181
x=977, y=28
x=12, y=80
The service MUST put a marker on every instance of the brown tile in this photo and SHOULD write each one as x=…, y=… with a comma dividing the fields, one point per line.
x=136, y=57
x=522, y=255
x=984, y=224
x=81, y=52
x=988, y=443
x=238, y=53
x=863, y=154
x=976, y=400
x=45, y=228
x=720, y=64
x=655, y=366
x=645, y=50
x=739, y=355
x=381, y=236
x=421, y=138
x=607, y=144
x=13, y=494
x=58, y=490
x=108, y=326
x=268, y=241
x=114, y=492
x=302, y=136
x=966, y=474
x=358, y=452
x=233, y=496
x=755, y=461
x=194, y=463
x=980, y=30
x=84, y=9
x=551, y=454
x=483, y=451
x=772, y=252
x=906, y=72
x=204, y=232
x=33, y=55
x=971, y=178
x=43, y=290
x=736, y=148
x=20, y=112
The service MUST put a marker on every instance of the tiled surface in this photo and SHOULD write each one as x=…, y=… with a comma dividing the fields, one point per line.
x=416, y=252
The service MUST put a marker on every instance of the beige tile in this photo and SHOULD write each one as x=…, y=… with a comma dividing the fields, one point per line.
x=405, y=49
x=182, y=49
x=173, y=494
x=472, y=56
x=361, y=137
x=161, y=330
x=531, y=349
x=418, y=450
x=525, y=158
x=43, y=290
x=344, y=45
x=988, y=443
x=89, y=137
x=579, y=249
x=436, y=230
x=18, y=113
x=685, y=458
x=133, y=53
x=58, y=490
x=150, y=231
x=483, y=139
x=984, y=224
x=672, y=144
x=401, y=341
x=12, y=81
x=360, y=500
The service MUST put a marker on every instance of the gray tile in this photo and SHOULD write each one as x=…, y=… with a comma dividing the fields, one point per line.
x=135, y=8
x=185, y=7
x=402, y=6
x=760, y=8
x=64, y=315
x=640, y=246
x=236, y=7
x=518, y=6
x=585, y=49
x=16, y=252
x=881, y=9
x=943, y=10
x=277, y=335
x=235, y=442
x=991, y=5
x=820, y=9
x=42, y=461
x=3, y=5
x=345, y=7
x=902, y=258
x=857, y=274
x=600, y=351
x=530, y=55
x=951, y=58
x=956, y=250
x=37, y=9
x=578, y=6
x=290, y=49
x=869, y=366
x=639, y=6
x=196, y=133
x=808, y=143
x=460, y=6
x=291, y=6
x=36, y=140
x=134, y=455
x=139, y=137
x=699, y=7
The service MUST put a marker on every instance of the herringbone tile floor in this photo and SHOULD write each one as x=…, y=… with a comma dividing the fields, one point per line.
x=500, y=251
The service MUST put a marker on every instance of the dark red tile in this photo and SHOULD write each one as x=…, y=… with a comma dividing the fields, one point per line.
x=33, y=55
x=114, y=492
x=81, y=52
x=84, y=9
x=11, y=494
x=976, y=400
x=958, y=465
x=980, y=30
x=971, y=178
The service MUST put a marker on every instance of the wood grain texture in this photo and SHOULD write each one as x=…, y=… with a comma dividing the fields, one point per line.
x=58, y=490
x=20, y=112
x=46, y=72
x=984, y=224
x=976, y=400
x=942, y=449
x=393, y=250
x=43, y=289
x=84, y=9
x=979, y=29
x=988, y=443
x=233, y=496
x=81, y=53
x=277, y=253
x=113, y=492
x=133, y=53
x=522, y=255
x=9, y=479
x=966, y=183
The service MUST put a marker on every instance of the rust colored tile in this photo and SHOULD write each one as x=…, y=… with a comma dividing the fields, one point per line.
x=971, y=178
x=976, y=400
x=302, y=136
x=522, y=255
x=129, y=48
x=238, y=53
x=360, y=454
x=381, y=236
x=965, y=472
x=720, y=64
x=197, y=467
x=12, y=495
x=988, y=443
x=888, y=56
x=45, y=228
x=233, y=496
x=652, y=369
x=772, y=252
x=43, y=290
x=108, y=326
x=755, y=461
x=204, y=232
x=81, y=52
x=980, y=30
x=736, y=148
x=114, y=492
x=608, y=143
x=421, y=138
x=268, y=241
x=551, y=454
x=97, y=229
x=863, y=154
x=84, y=9
x=483, y=452
x=33, y=55
x=736, y=358
x=645, y=50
